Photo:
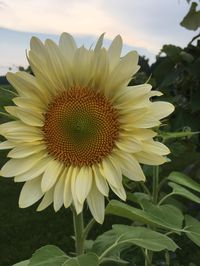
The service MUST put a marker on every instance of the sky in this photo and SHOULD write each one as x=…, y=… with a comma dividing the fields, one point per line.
x=145, y=25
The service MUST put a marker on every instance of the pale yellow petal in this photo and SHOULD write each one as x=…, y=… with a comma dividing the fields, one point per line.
x=27, y=116
x=155, y=147
x=78, y=206
x=83, y=183
x=26, y=85
x=34, y=172
x=24, y=150
x=51, y=175
x=67, y=187
x=82, y=67
x=17, y=131
x=128, y=144
x=30, y=193
x=18, y=166
x=99, y=43
x=111, y=172
x=150, y=158
x=38, y=47
x=114, y=51
x=122, y=73
x=31, y=104
x=46, y=201
x=67, y=46
x=101, y=182
x=129, y=165
x=6, y=145
x=120, y=192
x=58, y=197
x=96, y=204
x=55, y=65
x=131, y=94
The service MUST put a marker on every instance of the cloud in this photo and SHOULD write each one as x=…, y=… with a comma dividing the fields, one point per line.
x=144, y=24
x=2, y=5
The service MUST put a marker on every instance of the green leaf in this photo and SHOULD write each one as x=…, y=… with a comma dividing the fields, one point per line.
x=124, y=236
x=145, y=237
x=184, y=180
x=48, y=256
x=192, y=20
x=165, y=216
x=171, y=50
x=114, y=261
x=179, y=190
x=22, y=263
x=187, y=57
x=83, y=260
x=192, y=229
x=137, y=197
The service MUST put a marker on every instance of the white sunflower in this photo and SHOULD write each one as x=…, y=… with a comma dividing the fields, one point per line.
x=78, y=126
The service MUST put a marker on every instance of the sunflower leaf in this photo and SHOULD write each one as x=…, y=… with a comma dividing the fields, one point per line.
x=121, y=237
x=192, y=229
x=179, y=190
x=48, y=256
x=165, y=216
x=192, y=20
x=86, y=259
x=184, y=180
x=22, y=263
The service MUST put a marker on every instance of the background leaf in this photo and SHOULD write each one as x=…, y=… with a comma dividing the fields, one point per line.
x=179, y=190
x=22, y=263
x=193, y=229
x=48, y=256
x=83, y=260
x=192, y=20
x=184, y=180
x=154, y=215
x=124, y=236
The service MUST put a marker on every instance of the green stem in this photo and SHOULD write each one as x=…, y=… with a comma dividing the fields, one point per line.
x=167, y=258
x=145, y=188
x=88, y=228
x=165, y=197
x=155, y=183
x=78, y=230
x=146, y=256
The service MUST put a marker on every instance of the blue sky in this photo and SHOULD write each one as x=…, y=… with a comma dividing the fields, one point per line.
x=145, y=25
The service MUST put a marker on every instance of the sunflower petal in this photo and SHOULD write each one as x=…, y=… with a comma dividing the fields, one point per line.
x=51, y=175
x=30, y=193
x=96, y=204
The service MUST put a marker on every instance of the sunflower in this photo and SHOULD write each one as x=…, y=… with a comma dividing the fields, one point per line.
x=78, y=126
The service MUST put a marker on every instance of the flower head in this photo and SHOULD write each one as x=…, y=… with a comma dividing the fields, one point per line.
x=78, y=125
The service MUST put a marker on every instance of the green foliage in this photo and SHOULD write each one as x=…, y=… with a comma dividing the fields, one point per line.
x=22, y=263
x=151, y=215
x=192, y=229
x=184, y=180
x=121, y=237
x=53, y=256
x=179, y=190
x=192, y=20
x=48, y=256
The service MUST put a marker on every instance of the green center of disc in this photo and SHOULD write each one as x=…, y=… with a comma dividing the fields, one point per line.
x=81, y=128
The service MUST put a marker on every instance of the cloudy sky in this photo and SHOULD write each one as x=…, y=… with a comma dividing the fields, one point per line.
x=145, y=25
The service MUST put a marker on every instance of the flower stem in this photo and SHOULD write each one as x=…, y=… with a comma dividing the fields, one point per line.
x=78, y=230
x=88, y=228
x=155, y=184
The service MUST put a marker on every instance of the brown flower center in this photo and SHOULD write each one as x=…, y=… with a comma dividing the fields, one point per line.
x=81, y=127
